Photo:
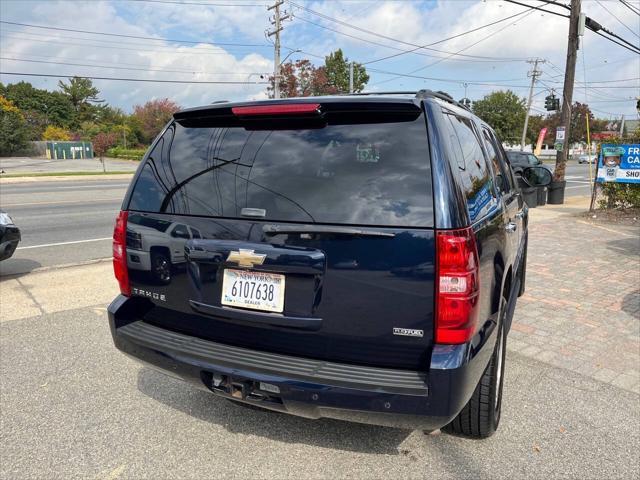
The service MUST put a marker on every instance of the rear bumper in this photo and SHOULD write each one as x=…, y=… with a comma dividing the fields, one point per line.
x=305, y=387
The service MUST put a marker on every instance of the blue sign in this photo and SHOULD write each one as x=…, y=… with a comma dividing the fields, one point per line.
x=619, y=163
x=477, y=203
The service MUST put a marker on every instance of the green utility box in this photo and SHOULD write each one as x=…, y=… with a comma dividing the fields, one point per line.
x=69, y=150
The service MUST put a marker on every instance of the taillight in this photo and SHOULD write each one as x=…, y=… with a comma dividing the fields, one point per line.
x=275, y=110
x=120, y=253
x=457, y=285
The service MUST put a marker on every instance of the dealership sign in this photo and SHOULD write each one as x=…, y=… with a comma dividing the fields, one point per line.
x=619, y=163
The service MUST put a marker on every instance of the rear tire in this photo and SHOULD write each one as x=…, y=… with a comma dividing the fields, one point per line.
x=481, y=415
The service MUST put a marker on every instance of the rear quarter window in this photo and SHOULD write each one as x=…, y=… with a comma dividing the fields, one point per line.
x=473, y=172
x=367, y=174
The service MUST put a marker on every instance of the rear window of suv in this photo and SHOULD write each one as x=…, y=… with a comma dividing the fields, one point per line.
x=357, y=174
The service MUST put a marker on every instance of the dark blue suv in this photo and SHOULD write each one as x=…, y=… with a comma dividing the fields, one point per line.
x=355, y=257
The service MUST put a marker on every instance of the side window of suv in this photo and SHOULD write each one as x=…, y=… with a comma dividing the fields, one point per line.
x=504, y=161
x=502, y=177
x=473, y=170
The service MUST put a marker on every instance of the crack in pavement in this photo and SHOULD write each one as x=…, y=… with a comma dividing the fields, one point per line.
x=30, y=295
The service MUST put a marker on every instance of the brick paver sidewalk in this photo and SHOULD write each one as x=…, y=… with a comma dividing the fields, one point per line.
x=581, y=309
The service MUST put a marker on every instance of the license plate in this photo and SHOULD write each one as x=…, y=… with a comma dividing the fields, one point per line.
x=255, y=290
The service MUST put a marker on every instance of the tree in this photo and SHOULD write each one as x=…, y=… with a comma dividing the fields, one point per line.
x=52, y=133
x=82, y=95
x=153, y=116
x=336, y=68
x=80, y=92
x=303, y=79
x=505, y=112
x=101, y=143
x=14, y=133
x=579, y=112
x=53, y=108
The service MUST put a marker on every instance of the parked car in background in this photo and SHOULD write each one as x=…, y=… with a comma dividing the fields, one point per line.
x=9, y=236
x=521, y=160
x=587, y=159
x=355, y=257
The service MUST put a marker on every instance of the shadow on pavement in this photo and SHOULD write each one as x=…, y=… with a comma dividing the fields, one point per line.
x=17, y=267
x=325, y=433
x=625, y=246
x=631, y=304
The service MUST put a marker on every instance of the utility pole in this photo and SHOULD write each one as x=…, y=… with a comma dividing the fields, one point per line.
x=276, y=22
x=567, y=95
x=351, y=77
x=534, y=75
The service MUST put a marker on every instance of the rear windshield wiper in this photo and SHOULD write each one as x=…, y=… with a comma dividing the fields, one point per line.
x=357, y=232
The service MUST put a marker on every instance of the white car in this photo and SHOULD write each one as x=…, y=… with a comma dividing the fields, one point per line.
x=586, y=159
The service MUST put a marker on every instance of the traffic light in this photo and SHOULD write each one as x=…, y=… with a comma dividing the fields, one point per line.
x=551, y=103
x=548, y=103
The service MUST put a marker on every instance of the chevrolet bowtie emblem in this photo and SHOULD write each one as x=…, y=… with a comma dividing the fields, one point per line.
x=246, y=258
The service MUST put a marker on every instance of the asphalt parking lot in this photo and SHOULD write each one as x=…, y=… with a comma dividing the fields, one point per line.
x=72, y=406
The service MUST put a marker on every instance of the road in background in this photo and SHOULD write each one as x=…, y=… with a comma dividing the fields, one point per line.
x=577, y=177
x=61, y=222
x=13, y=165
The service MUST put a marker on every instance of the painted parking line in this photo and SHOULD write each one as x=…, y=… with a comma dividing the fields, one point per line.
x=64, y=243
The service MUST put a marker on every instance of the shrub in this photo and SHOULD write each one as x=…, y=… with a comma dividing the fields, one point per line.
x=620, y=195
x=58, y=134
x=126, y=153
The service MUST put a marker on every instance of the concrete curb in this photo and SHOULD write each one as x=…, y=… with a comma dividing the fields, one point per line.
x=61, y=178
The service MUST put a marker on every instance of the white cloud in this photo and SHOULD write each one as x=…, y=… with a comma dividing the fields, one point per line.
x=533, y=35
x=200, y=62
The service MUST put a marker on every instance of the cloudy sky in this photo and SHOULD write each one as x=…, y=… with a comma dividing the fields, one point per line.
x=224, y=41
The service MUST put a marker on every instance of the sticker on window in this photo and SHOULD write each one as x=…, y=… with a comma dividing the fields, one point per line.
x=367, y=153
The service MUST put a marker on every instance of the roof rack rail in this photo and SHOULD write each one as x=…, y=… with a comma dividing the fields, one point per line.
x=392, y=92
x=424, y=93
x=441, y=95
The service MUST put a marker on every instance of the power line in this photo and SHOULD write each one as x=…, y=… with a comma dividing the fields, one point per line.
x=616, y=42
x=461, y=50
x=142, y=69
x=203, y=4
x=194, y=51
x=594, y=26
x=605, y=81
x=100, y=41
x=619, y=21
x=364, y=30
x=630, y=7
x=446, y=39
x=559, y=4
x=537, y=8
x=402, y=51
x=139, y=37
x=149, y=80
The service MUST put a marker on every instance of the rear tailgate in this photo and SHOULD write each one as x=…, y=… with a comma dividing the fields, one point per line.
x=311, y=237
